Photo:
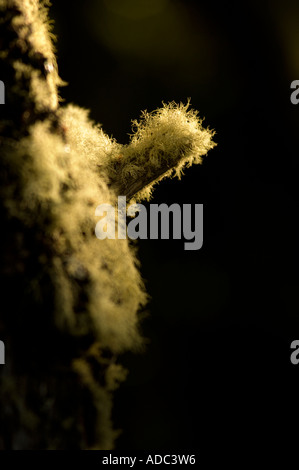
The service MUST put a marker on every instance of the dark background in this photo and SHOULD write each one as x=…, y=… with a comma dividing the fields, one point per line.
x=216, y=372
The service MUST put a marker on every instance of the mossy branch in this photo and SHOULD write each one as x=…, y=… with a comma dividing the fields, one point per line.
x=163, y=143
x=78, y=299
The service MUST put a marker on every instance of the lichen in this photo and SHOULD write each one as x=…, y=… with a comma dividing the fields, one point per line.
x=71, y=302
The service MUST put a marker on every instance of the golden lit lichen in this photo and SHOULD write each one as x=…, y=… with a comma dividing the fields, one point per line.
x=163, y=143
x=72, y=301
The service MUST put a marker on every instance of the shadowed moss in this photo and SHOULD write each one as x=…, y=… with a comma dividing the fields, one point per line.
x=71, y=302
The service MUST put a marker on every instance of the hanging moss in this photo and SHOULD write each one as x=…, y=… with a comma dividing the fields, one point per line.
x=71, y=302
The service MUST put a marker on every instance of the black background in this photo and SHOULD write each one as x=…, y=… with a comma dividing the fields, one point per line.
x=216, y=372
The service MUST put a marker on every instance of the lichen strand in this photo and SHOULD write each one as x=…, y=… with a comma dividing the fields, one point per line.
x=64, y=291
x=28, y=65
x=76, y=287
x=162, y=144
x=71, y=302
